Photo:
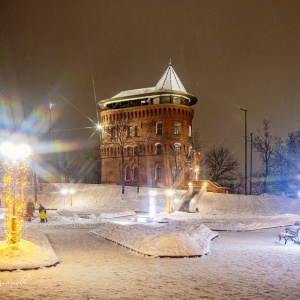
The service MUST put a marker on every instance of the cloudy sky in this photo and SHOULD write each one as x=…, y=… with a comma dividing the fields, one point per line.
x=230, y=54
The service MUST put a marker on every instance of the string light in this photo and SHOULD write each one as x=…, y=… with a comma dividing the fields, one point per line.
x=15, y=182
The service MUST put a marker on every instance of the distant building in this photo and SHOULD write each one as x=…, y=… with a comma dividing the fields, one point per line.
x=146, y=137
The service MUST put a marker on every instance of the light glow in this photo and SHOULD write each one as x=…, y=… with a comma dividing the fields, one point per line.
x=152, y=208
x=15, y=182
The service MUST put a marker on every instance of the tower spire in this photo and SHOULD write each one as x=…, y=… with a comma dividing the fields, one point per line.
x=170, y=62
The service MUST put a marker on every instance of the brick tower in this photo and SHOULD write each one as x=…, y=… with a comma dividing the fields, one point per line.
x=146, y=137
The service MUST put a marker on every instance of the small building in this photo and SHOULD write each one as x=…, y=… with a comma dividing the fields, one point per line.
x=146, y=137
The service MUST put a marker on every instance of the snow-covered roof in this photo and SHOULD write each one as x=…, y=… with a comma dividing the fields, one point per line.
x=170, y=81
x=168, y=84
x=134, y=92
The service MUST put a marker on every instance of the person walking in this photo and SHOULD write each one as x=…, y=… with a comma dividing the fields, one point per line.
x=30, y=208
x=43, y=209
x=43, y=216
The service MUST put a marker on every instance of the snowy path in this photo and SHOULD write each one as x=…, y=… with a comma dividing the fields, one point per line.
x=241, y=265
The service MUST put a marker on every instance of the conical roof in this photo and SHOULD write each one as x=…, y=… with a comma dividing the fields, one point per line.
x=170, y=81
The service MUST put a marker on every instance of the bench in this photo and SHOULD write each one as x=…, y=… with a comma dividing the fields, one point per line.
x=291, y=233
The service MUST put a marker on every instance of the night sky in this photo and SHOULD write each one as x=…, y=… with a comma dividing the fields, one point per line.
x=229, y=54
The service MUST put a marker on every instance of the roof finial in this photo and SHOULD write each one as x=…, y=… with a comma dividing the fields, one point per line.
x=170, y=62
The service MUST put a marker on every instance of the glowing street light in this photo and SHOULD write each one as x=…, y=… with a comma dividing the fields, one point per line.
x=152, y=204
x=15, y=182
x=65, y=192
x=99, y=129
x=170, y=200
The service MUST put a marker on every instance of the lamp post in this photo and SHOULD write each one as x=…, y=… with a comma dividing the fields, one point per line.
x=170, y=200
x=251, y=163
x=246, y=176
x=99, y=129
x=50, y=108
x=15, y=182
x=71, y=195
x=66, y=192
x=152, y=204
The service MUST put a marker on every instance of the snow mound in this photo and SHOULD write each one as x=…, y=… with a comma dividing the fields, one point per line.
x=34, y=252
x=174, y=239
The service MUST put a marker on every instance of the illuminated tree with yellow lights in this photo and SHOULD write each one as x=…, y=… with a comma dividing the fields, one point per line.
x=15, y=181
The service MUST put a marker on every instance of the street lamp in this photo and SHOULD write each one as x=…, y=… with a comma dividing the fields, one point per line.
x=71, y=195
x=15, y=182
x=66, y=192
x=246, y=176
x=152, y=204
x=99, y=129
x=170, y=200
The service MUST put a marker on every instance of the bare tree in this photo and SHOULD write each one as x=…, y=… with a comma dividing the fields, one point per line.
x=264, y=144
x=117, y=134
x=222, y=165
x=293, y=157
x=177, y=160
x=197, y=145
x=279, y=166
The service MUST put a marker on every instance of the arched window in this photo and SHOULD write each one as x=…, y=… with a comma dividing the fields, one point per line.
x=158, y=149
x=177, y=149
x=135, y=150
x=157, y=172
x=127, y=151
x=135, y=172
x=127, y=173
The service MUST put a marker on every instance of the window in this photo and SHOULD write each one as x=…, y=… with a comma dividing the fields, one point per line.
x=190, y=130
x=177, y=149
x=159, y=128
x=135, y=150
x=135, y=171
x=158, y=149
x=185, y=102
x=177, y=128
x=128, y=131
x=112, y=132
x=127, y=151
x=176, y=100
x=155, y=100
x=176, y=173
x=165, y=99
x=136, y=130
x=127, y=173
x=157, y=172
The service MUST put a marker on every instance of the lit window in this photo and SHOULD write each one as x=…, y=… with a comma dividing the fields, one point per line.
x=176, y=100
x=190, y=130
x=157, y=172
x=177, y=128
x=155, y=100
x=165, y=99
x=159, y=128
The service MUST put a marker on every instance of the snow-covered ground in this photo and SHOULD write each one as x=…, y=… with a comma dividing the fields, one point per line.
x=240, y=264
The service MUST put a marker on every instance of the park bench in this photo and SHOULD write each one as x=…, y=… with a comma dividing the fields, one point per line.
x=291, y=233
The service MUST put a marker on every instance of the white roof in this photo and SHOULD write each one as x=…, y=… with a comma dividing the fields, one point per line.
x=134, y=92
x=170, y=81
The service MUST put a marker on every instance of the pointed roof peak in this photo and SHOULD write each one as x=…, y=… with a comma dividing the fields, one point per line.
x=170, y=81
